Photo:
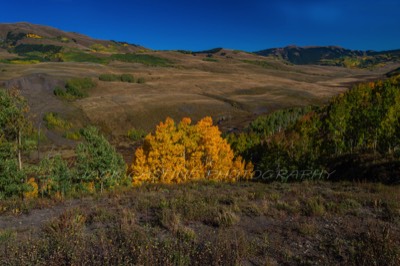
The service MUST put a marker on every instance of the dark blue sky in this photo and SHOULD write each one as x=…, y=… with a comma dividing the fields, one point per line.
x=238, y=24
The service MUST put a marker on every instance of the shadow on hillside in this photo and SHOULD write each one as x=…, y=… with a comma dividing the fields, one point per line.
x=366, y=167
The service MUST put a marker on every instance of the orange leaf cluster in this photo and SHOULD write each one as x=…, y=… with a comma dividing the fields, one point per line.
x=184, y=152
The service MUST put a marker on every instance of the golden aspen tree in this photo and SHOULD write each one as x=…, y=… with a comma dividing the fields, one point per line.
x=186, y=152
x=192, y=155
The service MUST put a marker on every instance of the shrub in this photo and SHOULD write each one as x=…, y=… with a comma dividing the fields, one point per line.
x=123, y=78
x=141, y=80
x=98, y=47
x=74, y=135
x=97, y=161
x=32, y=192
x=136, y=134
x=10, y=179
x=109, y=77
x=54, y=176
x=81, y=83
x=75, y=88
x=58, y=91
x=127, y=78
x=54, y=121
x=376, y=247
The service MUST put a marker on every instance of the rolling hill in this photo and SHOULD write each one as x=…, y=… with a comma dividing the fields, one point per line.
x=23, y=33
x=231, y=86
x=331, y=55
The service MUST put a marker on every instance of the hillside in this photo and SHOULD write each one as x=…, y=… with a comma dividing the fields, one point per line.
x=231, y=86
x=13, y=35
x=332, y=55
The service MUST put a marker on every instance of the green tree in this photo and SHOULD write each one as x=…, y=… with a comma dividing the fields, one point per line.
x=97, y=161
x=13, y=125
x=54, y=176
x=13, y=120
x=11, y=179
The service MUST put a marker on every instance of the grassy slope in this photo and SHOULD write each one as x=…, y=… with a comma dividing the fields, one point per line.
x=230, y=88
x=233, y=87
x=214, y=224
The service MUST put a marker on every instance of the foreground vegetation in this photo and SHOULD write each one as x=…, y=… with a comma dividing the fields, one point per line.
x=304, y=223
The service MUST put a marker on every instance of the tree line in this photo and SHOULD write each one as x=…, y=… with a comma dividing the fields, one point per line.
x=363, y=120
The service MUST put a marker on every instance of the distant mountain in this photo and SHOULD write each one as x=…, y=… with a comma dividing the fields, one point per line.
x=331, y=55
x=29, y=43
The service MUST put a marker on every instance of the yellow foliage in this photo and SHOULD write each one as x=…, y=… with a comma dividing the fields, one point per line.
x=24, y=62
x=33, y=193
x=89, y=186
x=33, y=36
x=175, y=154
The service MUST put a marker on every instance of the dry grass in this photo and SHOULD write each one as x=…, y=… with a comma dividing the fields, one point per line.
x=300, y=223
x=229, y=89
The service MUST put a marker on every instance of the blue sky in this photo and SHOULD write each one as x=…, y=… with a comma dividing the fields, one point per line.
x=249, y=25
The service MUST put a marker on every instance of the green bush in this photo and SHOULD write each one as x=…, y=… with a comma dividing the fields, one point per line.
x=11, y=179
x=75, y=88
x=54, y=176
x=127, y=78
x=136, y=134
x=123, y=78
x=109, y=77
x=81, y=83
x=58, y=91
x=97, y=161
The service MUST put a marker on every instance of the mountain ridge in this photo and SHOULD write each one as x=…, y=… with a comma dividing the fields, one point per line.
x=14, y=34
x=330, y=55
x=287, y=53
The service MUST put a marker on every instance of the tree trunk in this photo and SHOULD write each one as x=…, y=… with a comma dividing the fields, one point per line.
x=19, y=151
x=38, y=145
